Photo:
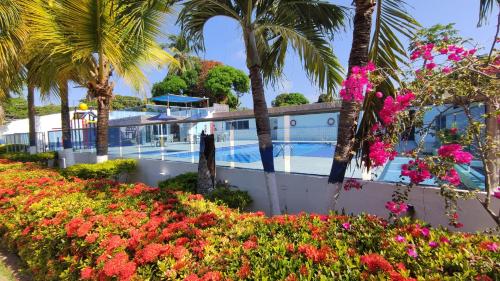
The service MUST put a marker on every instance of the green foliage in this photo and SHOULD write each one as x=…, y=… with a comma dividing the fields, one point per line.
x=26, y=157
x=325, y=98
x=223, y=82
x=17, y=108
x=106, y=170
x=118, y=102
x=227, y=196
x=288, y=99
x=187, y=182
x=172, y=84
x=233, y=198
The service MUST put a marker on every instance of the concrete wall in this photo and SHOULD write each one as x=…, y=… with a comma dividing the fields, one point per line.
x=312, y=194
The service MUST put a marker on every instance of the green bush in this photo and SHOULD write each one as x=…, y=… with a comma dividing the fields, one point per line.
x=230, y=197
x=106, y=170
x=26, y=157
x=186, y=182
x=222, y=195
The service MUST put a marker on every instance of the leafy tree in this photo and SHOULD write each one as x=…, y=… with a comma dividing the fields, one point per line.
x=172, y=84
x=17, y=108
x=119, y=35
x=118, y=103
x=226, y=84
x=269, y=30
x=287, y=99
x=182, y=51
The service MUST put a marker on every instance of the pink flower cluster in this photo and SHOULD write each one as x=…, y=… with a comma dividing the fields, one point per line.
x=454, y=54
x=455, y=153
x=396, y=208
x=416, y=170
x=452, y=177
x=380, y=152
x=392, y=107
x=354, y=88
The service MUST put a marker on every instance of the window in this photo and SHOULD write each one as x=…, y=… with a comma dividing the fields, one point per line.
x=238, y=125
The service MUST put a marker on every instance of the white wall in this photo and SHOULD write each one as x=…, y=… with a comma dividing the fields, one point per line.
x=312, y=194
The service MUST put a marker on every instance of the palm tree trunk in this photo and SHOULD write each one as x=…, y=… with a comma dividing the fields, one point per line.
x=349, y=112
x=262, y=122
x=102, y=128
x=67, y=154
x=32, y=119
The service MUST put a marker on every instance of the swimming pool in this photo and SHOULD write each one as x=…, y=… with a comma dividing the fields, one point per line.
x=249, y=153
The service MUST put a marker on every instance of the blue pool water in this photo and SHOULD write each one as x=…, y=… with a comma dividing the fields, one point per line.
x=250, y=153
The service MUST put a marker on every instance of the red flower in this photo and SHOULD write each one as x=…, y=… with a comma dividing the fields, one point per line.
x=244, y=271
x=26, y=231
x=376, y=263
x=86, y=273
x=192, y=277
x=212, y=276
x=73, y=225
x=313, y=253
x=119, y=266
x=483, y=277
x=251, y=243
x=91, y=238
x=84, y=229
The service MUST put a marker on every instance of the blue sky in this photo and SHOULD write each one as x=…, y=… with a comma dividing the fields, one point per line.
x=223, y=43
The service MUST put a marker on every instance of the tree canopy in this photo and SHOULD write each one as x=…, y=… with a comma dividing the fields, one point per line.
x=119, y=102
x=172, y=84
x=288, y=99
x=17, y=108
x=226, y=84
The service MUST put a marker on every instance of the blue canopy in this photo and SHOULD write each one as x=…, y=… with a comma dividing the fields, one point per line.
x=177, y=99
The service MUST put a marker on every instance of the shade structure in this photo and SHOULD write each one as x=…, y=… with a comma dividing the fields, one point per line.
x=162, y=117
x=177, y=99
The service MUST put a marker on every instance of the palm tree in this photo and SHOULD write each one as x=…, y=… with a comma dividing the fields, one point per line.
x=180, y=47
x=54, y=71
x=269, y=28
x=387, y=52
x=13, y=34
x=120, y=35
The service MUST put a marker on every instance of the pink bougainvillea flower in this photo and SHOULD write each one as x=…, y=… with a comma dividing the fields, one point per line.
x=346, y=226
x=496, y=193
x=433, y=244
x=396, y=208
x=416, y=170
x=381, y=152
x=455, y=153
x=430, y=66
x=452, y=177
x=352, y=184
x=412, y=252
x=358, y=82
x=400, y=239
x=425, y=232
x=447, y=70
x=379, y=95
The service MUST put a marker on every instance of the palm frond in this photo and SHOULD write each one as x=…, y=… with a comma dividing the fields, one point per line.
x=485, y=8
x=196, y=13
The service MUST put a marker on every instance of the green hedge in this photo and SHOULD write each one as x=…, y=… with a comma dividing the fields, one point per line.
x=230, y=197
x=222, y=195
x=26, y=157
x=106, y=170
x=186, y=182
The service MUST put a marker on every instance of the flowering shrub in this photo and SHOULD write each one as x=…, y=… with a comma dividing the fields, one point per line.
x=102, y=230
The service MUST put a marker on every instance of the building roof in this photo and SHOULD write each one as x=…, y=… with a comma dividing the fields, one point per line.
x=177, y=99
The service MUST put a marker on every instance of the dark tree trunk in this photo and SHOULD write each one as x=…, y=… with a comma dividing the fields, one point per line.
x=102, y=126
x=206, y=164
x=349, y=112
x=31, y=119
x=65, y=118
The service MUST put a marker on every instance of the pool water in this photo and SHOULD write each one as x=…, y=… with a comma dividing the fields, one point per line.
x=250, y=153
